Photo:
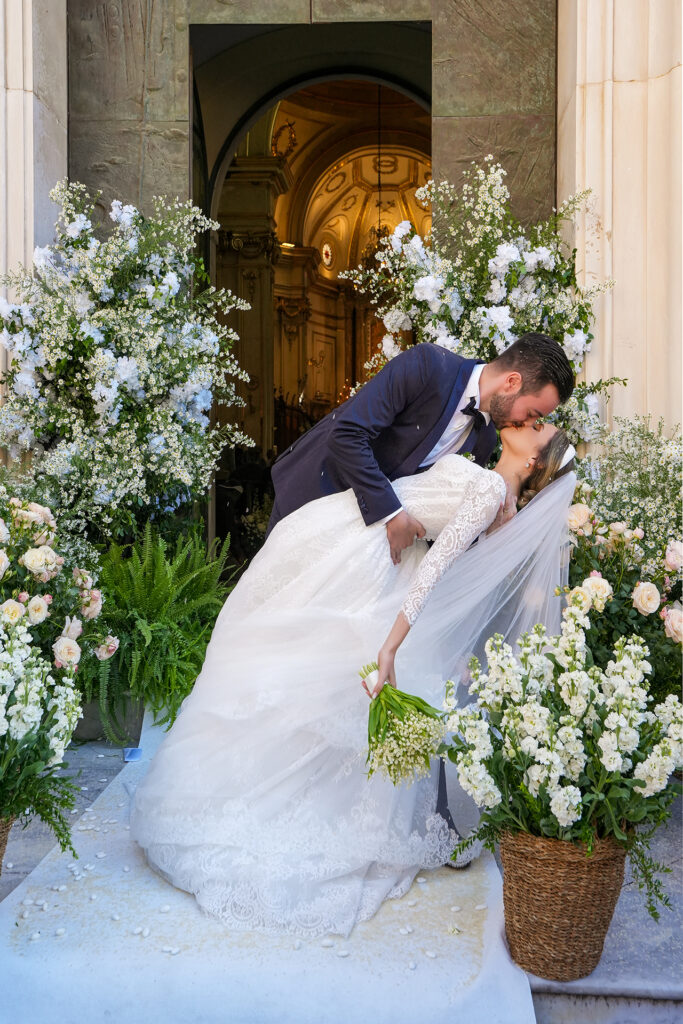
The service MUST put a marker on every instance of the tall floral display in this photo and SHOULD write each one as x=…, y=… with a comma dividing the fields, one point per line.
x=49, y=625
x=482, y=280
x=114, y=362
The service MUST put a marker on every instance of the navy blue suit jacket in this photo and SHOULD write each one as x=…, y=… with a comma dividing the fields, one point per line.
x=380, y=434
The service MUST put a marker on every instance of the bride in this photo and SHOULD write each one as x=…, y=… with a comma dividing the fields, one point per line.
x=257, y=801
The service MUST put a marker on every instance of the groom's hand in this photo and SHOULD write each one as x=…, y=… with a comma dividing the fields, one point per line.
x=401, y=533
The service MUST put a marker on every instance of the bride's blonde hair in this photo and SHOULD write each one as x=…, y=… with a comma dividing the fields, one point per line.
x=547, y=467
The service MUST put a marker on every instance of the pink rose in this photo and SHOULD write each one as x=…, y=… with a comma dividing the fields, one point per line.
x=108, y=648
x=23, y=597
x=673, y=623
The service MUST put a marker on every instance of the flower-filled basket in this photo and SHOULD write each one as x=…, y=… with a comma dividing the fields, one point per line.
x=570, y=766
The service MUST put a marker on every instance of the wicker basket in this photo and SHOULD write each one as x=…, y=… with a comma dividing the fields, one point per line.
x=558, y=902
x=5, y=826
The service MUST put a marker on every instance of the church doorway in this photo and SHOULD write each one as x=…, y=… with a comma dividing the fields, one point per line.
x=303, y=191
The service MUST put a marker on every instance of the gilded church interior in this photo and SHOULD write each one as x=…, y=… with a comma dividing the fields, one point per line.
x=318, y=179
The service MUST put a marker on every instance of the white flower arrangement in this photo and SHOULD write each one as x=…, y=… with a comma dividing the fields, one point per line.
x=481, y=280
x=50, y=594
x=39, y=709
x=555, y=746
x=114, y=362
x=635, y=477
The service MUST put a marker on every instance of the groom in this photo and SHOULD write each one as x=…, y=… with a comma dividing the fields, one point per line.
x=425, y=403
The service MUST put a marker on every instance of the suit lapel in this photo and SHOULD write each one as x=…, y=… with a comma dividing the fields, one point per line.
x=412, y=461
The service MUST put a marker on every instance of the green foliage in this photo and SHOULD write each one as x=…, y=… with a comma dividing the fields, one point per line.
x=162, y=602
x=34, y=790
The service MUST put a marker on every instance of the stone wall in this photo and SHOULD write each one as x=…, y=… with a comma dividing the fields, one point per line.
x=493, y=74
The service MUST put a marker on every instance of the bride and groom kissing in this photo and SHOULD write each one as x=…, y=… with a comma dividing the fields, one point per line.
x=257, y=801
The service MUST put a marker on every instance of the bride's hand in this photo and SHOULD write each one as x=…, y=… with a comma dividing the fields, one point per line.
x=387, y=673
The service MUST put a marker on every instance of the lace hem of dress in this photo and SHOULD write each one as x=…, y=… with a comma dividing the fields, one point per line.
x=307, y=899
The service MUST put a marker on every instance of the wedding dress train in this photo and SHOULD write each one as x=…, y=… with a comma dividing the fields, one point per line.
x=257, y=801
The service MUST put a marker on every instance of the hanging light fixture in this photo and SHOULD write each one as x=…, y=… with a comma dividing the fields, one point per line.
x=376, y=234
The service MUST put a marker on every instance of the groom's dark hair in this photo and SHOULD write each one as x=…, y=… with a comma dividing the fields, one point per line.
x=541, y=361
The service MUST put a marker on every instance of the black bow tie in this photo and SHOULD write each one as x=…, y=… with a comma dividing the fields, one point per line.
x=476, y=414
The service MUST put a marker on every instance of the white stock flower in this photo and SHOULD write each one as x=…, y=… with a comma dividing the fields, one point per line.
x=565, y=804
x=646, y=598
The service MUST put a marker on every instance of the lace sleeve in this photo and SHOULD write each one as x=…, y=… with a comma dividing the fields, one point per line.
x=476, y=512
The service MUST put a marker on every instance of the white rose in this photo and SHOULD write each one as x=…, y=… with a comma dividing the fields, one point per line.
x=38, y=610
x=599, y=589
x=34, y=559
x=4, y=562
x=66, y=651
x=673, y=559
x=12, y=611
x=584, y=597
x=646, y=598
x=83, y=578
x=72, y=628
x=49, y=556
x=578, y=516
x=4, y=532
x=673, y=623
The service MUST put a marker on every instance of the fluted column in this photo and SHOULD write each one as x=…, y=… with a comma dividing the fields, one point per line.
x=619, y=133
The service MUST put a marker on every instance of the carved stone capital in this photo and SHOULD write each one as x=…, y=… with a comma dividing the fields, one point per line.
x=293, y=311
x=249, y=244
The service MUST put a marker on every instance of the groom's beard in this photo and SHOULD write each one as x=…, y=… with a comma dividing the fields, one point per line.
x=499, y=410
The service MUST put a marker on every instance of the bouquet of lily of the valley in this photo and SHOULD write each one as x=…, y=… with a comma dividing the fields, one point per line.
x=115, y=358
x=404, y=731
x=556, y=746
x=39, y=709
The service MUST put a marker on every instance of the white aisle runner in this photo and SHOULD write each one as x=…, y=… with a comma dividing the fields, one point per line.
x=135, y=949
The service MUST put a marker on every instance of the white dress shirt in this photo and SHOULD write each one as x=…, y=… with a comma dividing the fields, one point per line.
x=459, y=427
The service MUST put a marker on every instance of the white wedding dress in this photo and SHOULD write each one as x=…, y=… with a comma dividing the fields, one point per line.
x=257, y=801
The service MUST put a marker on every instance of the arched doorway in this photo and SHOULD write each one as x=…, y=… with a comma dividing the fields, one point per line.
x=321, y=175
x=301, y=182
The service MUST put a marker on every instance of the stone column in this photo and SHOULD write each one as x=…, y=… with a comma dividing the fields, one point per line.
x=619, y=133
x=33, y=123
x=247, y=251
